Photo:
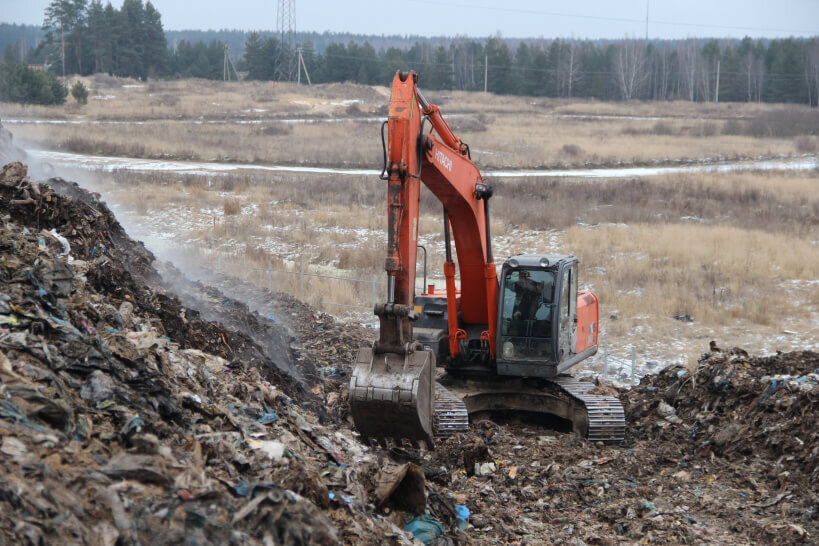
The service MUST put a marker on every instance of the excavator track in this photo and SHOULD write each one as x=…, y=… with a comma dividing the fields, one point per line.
x=606, y=419
x=449, y=415
x=597, y=418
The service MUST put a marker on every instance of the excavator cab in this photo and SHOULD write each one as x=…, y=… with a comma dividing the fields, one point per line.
x=539, y=316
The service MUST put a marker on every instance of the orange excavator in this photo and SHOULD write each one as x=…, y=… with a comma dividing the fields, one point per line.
x=504, y=343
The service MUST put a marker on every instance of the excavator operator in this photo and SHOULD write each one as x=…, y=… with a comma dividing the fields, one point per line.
x=527, y=297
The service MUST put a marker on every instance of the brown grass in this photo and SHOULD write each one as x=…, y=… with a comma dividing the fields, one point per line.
x=770, y=200
x=502, y=131
x=746, y=227
x=723, y=248
x=806, y=144
x=231, y=207
x=713, y=273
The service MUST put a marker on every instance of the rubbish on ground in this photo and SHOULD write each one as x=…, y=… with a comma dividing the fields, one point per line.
x=403, y=485
x=425, y=528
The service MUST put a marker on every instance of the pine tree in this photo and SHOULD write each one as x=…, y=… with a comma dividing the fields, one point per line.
x=97, y=34
x=131, y=43
x=156, y=47
x=112, y=29
x=500, y=77
x=63, y=25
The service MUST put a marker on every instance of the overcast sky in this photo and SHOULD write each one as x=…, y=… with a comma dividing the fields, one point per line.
x=476, y=18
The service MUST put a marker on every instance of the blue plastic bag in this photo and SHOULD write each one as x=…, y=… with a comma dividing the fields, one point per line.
x=425, y=528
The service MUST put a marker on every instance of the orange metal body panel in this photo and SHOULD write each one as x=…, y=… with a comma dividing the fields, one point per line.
x=588, y=321
x=451, y=176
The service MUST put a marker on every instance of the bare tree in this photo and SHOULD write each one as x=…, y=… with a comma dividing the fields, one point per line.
x=753, y=67
x=630, y=67
x=663, y=70
x=748, y=69
x=759, y=77
x=567, y=65
x=571, y=62
x=707, y=66
x=688, y=57
x=463, y=63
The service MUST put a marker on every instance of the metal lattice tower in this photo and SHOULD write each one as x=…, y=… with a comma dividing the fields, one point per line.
x=286, y=28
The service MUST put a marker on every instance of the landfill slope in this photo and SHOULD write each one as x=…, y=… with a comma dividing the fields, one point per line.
x=140, y=406
x=124, y=416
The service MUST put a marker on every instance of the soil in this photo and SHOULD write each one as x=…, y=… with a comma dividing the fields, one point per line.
x=138, y=406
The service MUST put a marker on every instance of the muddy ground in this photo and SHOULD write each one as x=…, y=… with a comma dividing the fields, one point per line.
x=139, y=406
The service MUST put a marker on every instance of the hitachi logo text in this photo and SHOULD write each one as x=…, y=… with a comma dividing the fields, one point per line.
x=445, y=162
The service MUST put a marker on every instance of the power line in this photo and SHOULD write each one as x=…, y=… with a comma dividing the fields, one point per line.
x=606, y=18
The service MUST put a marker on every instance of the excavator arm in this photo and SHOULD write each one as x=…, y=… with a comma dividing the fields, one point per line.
x=392, y=387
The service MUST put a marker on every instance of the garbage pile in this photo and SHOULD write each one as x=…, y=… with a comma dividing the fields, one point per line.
x=726, y=453
x=754, y=413
x=739, y=408
x=323, y=348
x=138, y=406
x=125, y=417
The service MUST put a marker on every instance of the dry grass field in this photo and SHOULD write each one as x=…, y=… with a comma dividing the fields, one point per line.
x=266, y=123
x=736, y=252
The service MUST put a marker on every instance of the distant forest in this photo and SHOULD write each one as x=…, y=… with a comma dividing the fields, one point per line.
x=130, y=41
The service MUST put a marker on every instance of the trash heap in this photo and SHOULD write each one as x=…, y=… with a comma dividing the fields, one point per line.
x=125, y=417
x=726, y=453
x=756, y=412
x=139, y=406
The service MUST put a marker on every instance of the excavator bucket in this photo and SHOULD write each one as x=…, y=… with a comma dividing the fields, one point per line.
x=391, y=395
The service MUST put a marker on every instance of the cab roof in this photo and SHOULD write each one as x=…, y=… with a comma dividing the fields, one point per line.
x=533, y=260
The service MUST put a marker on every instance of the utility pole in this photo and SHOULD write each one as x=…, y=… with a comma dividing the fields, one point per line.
x=62, y=34
x=227, y=64
x=485, y=72
x=647, y=21
x=304, y=66
x=716, y=90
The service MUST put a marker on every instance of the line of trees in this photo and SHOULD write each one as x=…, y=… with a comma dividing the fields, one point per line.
x=785, y=70
x=83, y=37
